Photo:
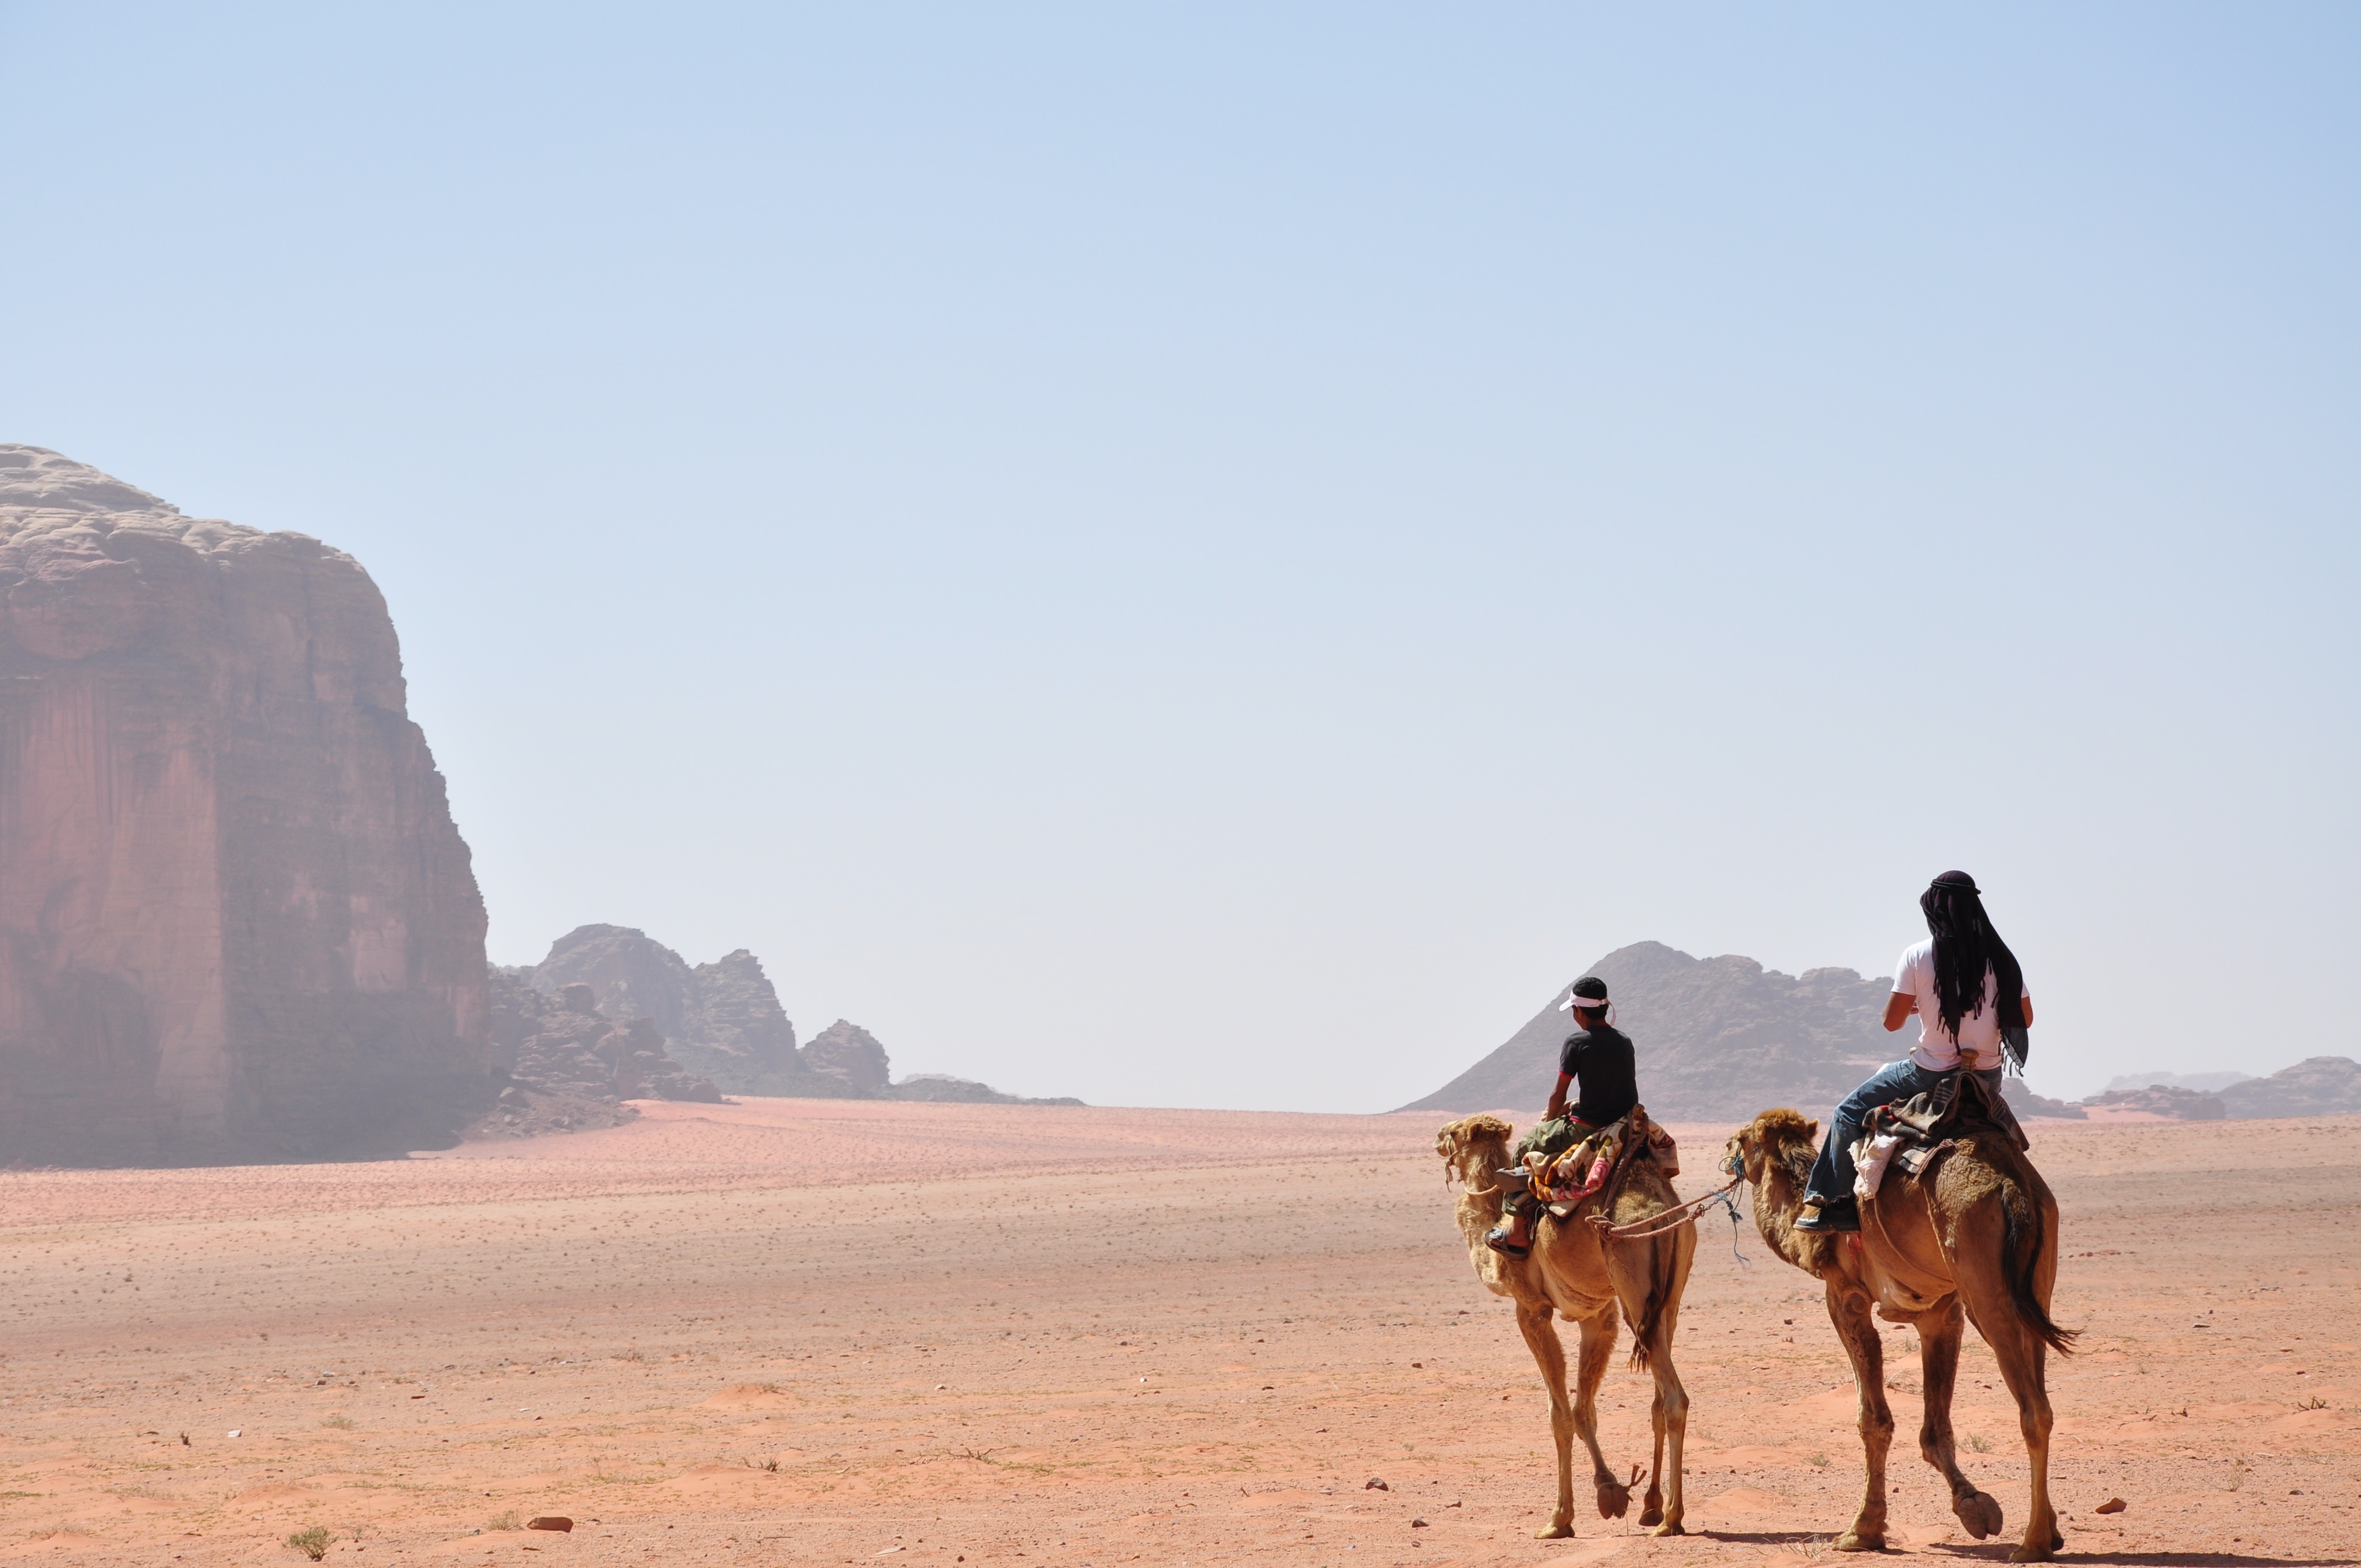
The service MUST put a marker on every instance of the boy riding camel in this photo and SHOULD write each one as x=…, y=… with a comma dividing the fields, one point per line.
x=1598, y=1055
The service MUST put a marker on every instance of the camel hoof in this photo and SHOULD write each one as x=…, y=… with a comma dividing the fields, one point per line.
x=1652, y=1514
x=1980, y=1512
x=1853, y=1541
x=1614, y=1501
x=1555, y=1532
x=1670, y=1527
x=2031, y=1554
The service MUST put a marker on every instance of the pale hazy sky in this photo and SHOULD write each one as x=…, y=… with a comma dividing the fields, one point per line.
x=1215, y=555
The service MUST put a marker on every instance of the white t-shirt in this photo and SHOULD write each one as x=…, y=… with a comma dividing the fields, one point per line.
x=1978, y=1036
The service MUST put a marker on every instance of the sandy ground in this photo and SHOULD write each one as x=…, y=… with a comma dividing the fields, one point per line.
x=832, y=1332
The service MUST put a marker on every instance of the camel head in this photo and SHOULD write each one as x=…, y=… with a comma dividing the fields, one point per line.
x=1775, y=1135
x=1472, y=1148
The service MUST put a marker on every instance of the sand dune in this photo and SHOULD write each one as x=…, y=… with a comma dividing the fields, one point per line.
x=829, y=1331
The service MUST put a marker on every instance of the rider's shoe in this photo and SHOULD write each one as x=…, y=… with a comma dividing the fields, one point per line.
x=1496, y=1238
x=1838, y=1214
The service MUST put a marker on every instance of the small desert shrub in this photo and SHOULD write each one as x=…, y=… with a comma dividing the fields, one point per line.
x=1979, y=1443
x=313, y=1543
x=509, y=1520
x=1821, y=1460
x=340, y=1421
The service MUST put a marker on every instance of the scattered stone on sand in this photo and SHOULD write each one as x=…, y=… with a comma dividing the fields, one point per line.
x=2111, y=1506
x=549, y=1521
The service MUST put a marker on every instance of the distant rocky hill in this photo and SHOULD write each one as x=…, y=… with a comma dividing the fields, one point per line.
x=1719, y=1039
x=724, y=1020
x=2203, y=1083
x=2316, y=1086
x=236, y=921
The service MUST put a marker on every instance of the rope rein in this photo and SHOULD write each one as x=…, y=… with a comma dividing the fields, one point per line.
x=1664, y=1220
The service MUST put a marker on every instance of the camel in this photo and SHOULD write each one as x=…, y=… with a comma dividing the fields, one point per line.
x=1975, y=1236
x=1573, y=1270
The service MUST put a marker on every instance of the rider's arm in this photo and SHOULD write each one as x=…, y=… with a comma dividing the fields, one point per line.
x=1557, y=1098
x=1899, y=1008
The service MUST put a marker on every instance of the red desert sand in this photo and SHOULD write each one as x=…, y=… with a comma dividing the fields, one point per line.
x=806, y=1331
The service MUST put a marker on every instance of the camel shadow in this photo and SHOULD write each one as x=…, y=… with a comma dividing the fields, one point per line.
x=1997, y=1552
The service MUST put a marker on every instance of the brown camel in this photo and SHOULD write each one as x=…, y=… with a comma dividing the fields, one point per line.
x=1976, y=1236
x=1575, y=1272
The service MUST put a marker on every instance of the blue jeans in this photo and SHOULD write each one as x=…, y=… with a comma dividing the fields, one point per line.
x=1832, y=1176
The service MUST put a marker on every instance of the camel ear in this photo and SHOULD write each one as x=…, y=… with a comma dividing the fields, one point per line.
x=1812, y=1128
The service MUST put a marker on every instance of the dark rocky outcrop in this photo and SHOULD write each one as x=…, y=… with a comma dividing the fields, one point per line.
x=563, y=1045
x=737, y=1015
x=720, y=1019
x=1718, y=1039
x=849, y=1056
x=2027, y=1103
x=2316, y=1086
x=236, y=921
x=724, y=1020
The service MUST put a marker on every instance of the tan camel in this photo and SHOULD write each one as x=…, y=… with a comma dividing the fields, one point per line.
x=1976, y=1236
x=1573, y=1271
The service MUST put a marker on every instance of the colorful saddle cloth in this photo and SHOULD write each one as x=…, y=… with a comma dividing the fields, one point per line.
x=1598, y=1163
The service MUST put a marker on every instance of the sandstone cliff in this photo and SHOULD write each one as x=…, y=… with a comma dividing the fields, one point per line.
x=236, y=921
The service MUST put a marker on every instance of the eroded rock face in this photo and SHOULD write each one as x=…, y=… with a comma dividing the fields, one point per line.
x=721, y=1019
x=563, y=1045
x=236, y=921
x=851, y=1055
x=2316, y=1086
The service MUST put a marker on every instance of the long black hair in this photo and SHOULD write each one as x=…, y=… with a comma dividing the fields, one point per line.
x=1967, y=948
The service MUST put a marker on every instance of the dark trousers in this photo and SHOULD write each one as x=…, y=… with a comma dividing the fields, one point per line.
x=1832, y=1176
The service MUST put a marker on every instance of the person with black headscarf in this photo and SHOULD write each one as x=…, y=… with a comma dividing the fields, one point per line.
x=1599, y=1057
x=1954, y=982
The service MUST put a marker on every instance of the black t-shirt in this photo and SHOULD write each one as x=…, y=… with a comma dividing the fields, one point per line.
x=1601, y=1060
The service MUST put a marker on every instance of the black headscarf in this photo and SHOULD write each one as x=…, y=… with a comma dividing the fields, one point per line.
x=1967, y=948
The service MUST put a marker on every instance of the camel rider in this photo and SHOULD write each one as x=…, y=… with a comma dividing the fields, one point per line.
x=1952, y=981
x=1600, y=1055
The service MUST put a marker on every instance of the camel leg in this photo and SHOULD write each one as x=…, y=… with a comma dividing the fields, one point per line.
x=1939, y=1373
x=1849, y=1311
x=1671, y=1417
x=1598, y=1347
x=2022, y=1364
x=1549, y=1354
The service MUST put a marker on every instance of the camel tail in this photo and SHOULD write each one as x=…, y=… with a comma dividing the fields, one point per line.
x=2022, y=1241
x=1660, y=1291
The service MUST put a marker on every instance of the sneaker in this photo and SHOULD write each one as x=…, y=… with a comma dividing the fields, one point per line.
x=1843, y=1214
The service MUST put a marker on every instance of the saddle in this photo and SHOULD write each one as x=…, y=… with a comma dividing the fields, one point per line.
x=1598, y=1164
x=1915, y=1134
x=1924, y=1126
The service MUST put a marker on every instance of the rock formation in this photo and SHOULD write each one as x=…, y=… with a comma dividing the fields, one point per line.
x=2164, y=1099
x=563, y=1045
x=1718, y=1039
x=2027, y=1103
x=236, y=921
x=722, y=1019
x=2316, y=1086
x=850, y=1056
